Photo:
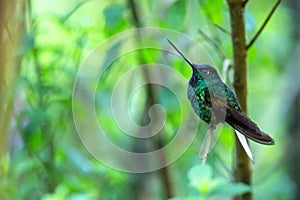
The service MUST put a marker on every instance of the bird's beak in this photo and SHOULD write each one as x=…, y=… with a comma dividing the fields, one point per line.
x=183, y=56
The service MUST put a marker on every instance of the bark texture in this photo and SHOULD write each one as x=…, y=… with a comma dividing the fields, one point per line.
x=243, y=172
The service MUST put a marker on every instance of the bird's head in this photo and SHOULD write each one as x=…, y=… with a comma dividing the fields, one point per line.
x=201, y=72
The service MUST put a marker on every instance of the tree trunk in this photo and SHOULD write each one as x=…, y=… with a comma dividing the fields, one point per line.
x=236, y=7
x=12, y=26
x=152, y=99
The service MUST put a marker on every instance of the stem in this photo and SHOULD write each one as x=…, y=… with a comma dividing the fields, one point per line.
x=236, y=8
x=264, y=24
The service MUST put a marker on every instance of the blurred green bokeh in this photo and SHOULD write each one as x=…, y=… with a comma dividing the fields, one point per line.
x=45, y=158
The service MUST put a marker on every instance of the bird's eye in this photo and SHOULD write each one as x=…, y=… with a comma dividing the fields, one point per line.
x=193, y=79
x=205, y=72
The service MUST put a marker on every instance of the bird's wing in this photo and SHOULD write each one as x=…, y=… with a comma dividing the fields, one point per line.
x=219, y=108
x=236, y=118
x=222, y=108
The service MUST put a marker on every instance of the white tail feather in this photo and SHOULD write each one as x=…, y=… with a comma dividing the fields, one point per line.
x=245, y=145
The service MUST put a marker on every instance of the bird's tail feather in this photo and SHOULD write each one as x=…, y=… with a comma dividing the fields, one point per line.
x=244, y=125
x=244, y=144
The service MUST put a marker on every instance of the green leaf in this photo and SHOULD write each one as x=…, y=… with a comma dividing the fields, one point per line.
x=200, y=173
x=200, y=177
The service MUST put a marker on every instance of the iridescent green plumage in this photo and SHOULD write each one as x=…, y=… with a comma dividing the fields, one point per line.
x=214, y=102
x=199, y=94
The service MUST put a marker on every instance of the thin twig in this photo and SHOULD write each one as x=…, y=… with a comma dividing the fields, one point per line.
x=222, y=29
x=68, y=15
x=213, y=44
x=135, y=14
x=264, y=24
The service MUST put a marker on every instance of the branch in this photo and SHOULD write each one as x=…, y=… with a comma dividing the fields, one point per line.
x=264, y=24
x=243, y=170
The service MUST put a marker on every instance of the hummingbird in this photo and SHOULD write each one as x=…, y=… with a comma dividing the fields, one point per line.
x=214, y=102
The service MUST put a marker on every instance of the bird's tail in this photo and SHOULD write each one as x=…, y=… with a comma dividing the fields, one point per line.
x=243, y=124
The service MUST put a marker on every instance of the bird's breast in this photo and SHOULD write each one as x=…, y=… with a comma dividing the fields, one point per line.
x=200, y=106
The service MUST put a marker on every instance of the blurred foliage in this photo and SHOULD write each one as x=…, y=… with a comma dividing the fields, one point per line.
x=46, y=159
x=201, y=178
